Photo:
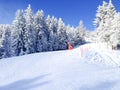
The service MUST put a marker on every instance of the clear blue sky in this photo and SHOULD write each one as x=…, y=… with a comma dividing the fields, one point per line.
x=71, y=11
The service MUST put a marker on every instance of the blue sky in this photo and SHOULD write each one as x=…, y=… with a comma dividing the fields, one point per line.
x=71, y=11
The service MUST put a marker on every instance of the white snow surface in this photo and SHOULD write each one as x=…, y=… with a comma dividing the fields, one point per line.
x=96, y=69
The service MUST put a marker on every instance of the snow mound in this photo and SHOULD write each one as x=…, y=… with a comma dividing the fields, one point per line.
x=100, y=54
x=99, y=59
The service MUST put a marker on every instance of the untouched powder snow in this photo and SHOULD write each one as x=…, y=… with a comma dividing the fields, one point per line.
x=63, y=70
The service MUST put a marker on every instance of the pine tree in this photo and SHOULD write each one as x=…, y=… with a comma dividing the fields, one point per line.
x=29, y=31
x=80, y=34
x=115, y=31
x=108, y=25
x=103, y=21
x=81, y=29
x=5, y=48
x=69, y=32
x=41, y=32
x=51, y=36
x=100, y=16
x=52, y=27
x=1, y=41
x=100, y=20
x=18, y=32
x=62, y=35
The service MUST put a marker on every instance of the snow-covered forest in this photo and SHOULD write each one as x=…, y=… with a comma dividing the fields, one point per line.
x=33, y=32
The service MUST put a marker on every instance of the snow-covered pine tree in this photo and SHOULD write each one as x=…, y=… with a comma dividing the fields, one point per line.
x=50, y=38
x=5, y=48
x=81, y=28
x=52, y=27
x=1, y=40
x=62, y=35
x=108, y=25
x=29, y=31
x=103, y=21
x=17, y=34
x=41, y=32
x=100, y=20
x=79, y=34
x=1, y=32
x=70, y=30
x=100, y=15
x=115, y=31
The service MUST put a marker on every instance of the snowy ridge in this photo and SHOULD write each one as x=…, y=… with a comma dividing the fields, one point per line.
x=99, y=58
x=101, y=54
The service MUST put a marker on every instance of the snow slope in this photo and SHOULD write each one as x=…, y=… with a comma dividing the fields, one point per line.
x=62, y=70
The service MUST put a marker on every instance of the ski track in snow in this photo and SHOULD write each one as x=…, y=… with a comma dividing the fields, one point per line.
x=62, y=70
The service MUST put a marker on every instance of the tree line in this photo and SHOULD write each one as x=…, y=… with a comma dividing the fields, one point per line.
x=32, y=33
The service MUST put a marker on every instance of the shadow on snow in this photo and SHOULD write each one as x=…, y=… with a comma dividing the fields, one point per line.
x=26, y=84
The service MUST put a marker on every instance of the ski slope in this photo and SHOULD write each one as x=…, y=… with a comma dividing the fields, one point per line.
x=95, y=69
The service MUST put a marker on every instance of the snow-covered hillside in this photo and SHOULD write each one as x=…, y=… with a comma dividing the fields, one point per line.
x=63, y=70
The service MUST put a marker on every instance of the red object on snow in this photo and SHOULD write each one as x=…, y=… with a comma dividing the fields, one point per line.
x=70, y=47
